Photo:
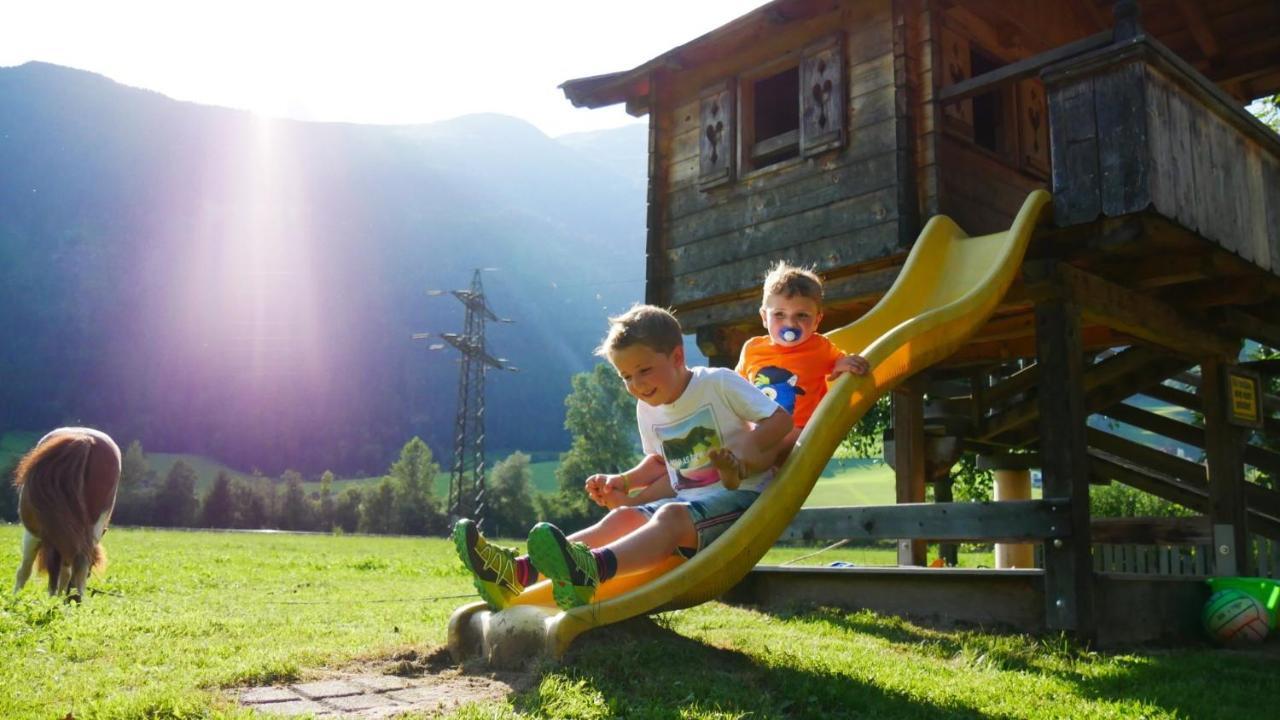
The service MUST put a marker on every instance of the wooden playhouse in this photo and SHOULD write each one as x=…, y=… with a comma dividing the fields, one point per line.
x=826, y=132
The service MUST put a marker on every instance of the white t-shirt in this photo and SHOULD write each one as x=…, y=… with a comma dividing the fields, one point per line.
x=713, y=411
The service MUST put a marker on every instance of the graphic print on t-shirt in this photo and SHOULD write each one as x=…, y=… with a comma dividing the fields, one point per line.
x=779, y=385
x=685, y=444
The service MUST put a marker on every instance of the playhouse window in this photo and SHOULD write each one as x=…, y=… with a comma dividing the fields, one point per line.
x=992, y=121
x=775, y=118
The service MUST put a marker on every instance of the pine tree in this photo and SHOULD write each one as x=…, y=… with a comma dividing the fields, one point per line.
x=251, y=509
x=601, y=416
x=413, y=475
x=295, y=508
x=135, y=497
x=8, y=494
x=377, y=512
x=510, y=510
x=325, y=518
x=175, y=504
x=346, y=512
x=218, y=509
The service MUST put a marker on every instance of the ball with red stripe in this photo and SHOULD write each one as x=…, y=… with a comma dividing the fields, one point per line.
x=1234, y=618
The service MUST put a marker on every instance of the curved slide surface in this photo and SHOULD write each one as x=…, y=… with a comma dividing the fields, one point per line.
x=947, y=289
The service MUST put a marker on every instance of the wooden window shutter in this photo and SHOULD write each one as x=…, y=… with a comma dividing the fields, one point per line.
x=822, y=97
x=716, y=136
x=1033, y=126
x=956, y=65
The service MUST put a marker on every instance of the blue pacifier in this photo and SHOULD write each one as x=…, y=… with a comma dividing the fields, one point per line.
x=790, y=334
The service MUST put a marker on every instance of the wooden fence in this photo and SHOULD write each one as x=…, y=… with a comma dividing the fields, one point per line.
x=1179, y=560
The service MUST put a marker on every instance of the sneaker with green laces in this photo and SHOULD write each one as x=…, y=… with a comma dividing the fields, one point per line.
x=493, y=567
x=570, y=565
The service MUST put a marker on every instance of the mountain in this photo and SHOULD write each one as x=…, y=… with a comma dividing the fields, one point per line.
x=213, y=282
x=624, y=151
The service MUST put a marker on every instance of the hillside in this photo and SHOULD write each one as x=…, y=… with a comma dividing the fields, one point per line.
x=216, y=283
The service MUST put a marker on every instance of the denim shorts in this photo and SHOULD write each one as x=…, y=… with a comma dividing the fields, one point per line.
x=712, y=513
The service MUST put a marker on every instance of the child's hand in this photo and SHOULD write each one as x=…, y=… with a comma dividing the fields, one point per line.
x=595, y=487
x=855, y=364
x=607, y=491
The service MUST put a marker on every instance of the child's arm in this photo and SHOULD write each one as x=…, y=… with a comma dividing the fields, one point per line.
x=613, y=490
x=759, y=449
x=765, y=436
x=855, y=364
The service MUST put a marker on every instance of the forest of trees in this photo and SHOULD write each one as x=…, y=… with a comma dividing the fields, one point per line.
x=600, y=417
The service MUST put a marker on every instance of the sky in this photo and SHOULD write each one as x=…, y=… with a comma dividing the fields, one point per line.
x=374, y=61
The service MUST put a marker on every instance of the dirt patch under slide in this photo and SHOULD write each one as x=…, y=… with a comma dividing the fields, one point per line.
x=406, y=683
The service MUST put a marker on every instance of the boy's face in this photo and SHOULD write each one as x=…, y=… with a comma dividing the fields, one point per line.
x=790, y=320
x=650, y=376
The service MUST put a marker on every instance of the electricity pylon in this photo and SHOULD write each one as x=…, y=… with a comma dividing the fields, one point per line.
x=466, y=484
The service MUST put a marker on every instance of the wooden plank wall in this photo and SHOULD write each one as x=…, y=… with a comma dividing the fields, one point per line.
x=1135, y=130
x=1229, y=192
x=835, y=210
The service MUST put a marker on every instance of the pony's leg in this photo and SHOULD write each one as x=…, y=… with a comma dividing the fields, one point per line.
x=30, y=546
x=64, y=576
x=79, y=573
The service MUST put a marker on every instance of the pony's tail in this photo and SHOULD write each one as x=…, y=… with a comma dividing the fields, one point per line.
x=51, y=478
x=49, y=560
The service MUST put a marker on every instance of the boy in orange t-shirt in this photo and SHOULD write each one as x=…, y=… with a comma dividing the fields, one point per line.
x=793, y=363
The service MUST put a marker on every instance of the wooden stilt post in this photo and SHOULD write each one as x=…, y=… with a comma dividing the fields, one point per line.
x=1224, y=448
x=1068, y=584
x=908, y=450
x=942, y=493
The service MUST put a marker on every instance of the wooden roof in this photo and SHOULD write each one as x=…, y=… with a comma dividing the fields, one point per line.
x=1235, y=43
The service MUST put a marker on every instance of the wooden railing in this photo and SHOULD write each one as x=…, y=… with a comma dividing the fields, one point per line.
x=1135, y=128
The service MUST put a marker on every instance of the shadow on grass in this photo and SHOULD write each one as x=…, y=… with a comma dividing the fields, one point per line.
x=1196, y=681
x=642, y=670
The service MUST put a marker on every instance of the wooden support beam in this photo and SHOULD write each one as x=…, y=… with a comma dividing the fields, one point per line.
x=1021, y=69
x=1011, y=521
x=1224, y=447
x=1152, y=531
x=909, y=461
x=1141, y=316
x=1244, y=324
x=1105, y=383
x=1069, y=600
x=1016, y=384
x=1094, y=337
x=1198, y=24
x=1191, y=495
x=1217, y=292
x=1146, y=456
x=1259, y=457
x=1174, y=396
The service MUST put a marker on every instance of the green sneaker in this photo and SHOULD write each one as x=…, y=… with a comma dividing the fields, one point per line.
x=493, y=567
x=570, y=565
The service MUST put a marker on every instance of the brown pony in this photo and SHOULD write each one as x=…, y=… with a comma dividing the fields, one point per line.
x=67, y=489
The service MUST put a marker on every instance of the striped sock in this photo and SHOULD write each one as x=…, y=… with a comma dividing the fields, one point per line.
x=526, y=573
x=606, y=563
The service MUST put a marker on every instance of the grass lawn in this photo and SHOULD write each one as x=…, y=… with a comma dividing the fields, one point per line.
x=190, y=614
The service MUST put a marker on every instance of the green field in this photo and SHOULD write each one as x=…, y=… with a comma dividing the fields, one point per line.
x=184, y=618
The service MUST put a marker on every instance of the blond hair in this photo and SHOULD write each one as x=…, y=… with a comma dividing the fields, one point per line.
x=789, y=281
x=648, y=325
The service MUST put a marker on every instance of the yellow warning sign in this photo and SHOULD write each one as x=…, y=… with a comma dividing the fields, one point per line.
x=1245, y=393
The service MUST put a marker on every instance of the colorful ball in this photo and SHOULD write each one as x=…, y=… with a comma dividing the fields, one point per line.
x=1234, y=618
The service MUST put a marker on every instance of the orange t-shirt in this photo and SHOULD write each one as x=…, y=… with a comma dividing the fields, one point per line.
x=795, y=377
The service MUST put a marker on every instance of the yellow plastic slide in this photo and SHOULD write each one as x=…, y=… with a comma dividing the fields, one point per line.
x=947, y=289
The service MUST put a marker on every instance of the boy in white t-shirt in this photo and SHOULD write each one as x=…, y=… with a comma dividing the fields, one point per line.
x=685, y=415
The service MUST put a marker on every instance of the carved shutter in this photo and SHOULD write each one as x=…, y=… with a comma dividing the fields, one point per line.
x=715, y=141
x=822, y=97
x=956, y=68
x=1033, y=126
